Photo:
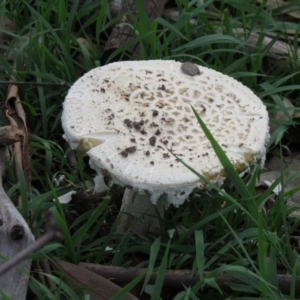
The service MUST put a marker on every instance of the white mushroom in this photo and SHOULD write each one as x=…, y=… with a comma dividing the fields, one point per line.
x=126, y=115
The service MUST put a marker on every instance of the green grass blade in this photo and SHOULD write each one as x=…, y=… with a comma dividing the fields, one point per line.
x=23, y=192
x=294, y=279
x=271, y=267
x=262, y=248
x=119, y=295
x=78, y=236
x=160, y=274
x=242, y=247
x=108, y=238
x=200, y=246
x=228, y=167
x=155, y=247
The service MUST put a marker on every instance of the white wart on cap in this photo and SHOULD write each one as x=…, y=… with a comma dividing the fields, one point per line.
x=126, y=115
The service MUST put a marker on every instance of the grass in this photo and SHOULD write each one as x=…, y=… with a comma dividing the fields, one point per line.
x=227, y=230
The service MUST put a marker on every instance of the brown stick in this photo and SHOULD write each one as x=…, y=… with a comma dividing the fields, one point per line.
x=177, y=278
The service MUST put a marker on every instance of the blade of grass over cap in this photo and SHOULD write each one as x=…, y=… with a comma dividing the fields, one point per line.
x=228, y=167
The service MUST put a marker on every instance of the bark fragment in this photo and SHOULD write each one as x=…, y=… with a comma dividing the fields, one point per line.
x=122, y=32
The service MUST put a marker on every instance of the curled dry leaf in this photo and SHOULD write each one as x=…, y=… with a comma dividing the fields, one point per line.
x=12, y=97
x=16, y=116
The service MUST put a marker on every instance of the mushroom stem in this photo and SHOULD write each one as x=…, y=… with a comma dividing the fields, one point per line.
x=140, y=215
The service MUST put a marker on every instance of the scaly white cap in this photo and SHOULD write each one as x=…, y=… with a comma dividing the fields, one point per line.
x=126, y=115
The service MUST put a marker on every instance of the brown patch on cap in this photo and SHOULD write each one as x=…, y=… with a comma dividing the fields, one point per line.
x=128, y=123
x=127, y=151
x=152, y=141
x=138, y=125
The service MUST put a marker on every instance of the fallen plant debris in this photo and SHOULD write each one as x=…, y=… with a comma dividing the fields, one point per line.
x=123, y=32
x=177, y=278
x=10, y=135
x=15, y=233
x=52, y=234
x=80, y=278
x=16, y=115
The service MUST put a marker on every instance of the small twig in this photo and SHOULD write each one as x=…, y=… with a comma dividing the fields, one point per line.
x=44, y=263
x=34, y=83
x=39, y=272
x=52, y=233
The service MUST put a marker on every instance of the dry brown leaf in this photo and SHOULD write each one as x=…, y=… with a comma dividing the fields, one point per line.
x=11, y=115
x=98, y=287
x=17, y=117
x=10, y=134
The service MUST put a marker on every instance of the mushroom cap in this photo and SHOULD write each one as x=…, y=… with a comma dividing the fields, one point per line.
x=126, y=115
